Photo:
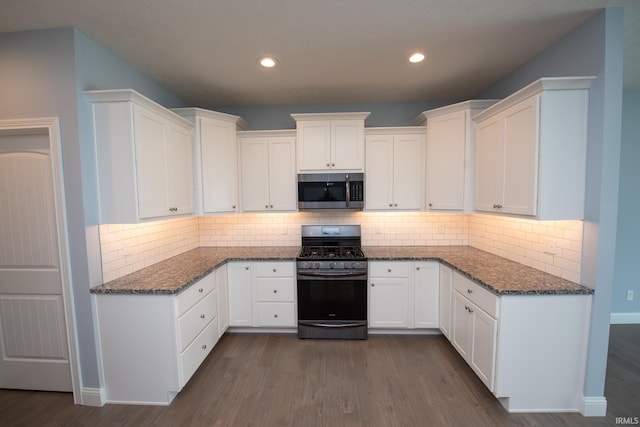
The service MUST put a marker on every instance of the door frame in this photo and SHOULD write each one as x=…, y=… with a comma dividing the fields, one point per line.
x=51, y=125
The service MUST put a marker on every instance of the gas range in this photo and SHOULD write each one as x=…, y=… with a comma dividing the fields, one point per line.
x=330, y=249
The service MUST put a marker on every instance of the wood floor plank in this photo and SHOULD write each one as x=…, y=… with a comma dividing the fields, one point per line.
x=278, y=380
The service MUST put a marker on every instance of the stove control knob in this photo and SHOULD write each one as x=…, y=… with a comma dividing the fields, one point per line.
x=332, y=265
x=348, y=265
x=316, y=265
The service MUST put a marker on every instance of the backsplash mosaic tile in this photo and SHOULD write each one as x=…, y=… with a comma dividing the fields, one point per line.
x=551, y=246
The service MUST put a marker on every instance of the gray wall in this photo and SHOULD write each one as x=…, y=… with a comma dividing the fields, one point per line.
x=593, y=49
x=382, y=114
x=628, y=235
x=43, y=74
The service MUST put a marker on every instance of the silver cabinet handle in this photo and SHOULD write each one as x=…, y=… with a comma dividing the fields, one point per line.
x=497, y=206
x=201, y=290
x=469, y=291
x=173, y=209
x=204, y=346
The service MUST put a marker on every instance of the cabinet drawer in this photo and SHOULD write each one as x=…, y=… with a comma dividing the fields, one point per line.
x=276, y=289
x=194, y=293
x=389, y=269
x=276, y=314
x=194, y=320
x=484, y=299
x=192, y=357
x=274, y=269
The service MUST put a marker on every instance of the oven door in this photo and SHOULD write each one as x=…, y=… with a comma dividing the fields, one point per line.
x=332, y=306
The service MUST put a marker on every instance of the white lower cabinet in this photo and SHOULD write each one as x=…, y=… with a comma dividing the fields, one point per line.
x=151, y=345
x=262, y=294
x=527, y=349
x=444, y=309
x=403, y=295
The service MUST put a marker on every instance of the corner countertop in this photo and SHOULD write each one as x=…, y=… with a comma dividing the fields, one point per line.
x=497, y=274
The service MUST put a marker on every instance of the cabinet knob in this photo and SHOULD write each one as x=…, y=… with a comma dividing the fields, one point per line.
x=469, y=291
x=373, y=284
x=204, y=346
x=233, y=207
x=390, y=205
x=246, y=268
x=267, y=206
x=430, y=204
x=328, y=164
x=201, y=290
x=275, y=291
x=497, y=206
x=173, y=209
x=418, y=268
x=395, y=205
x=271, y=206
x=470, y=311
x=388, y=270
x=275, y=269
x=202, y=316
x=275, y=315
x=333, y=164
x=466, y=307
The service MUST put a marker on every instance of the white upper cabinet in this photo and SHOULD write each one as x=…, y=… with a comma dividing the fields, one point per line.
x=143, y=157
x=530, y=151
x=449, y=171
x=215, y=159
x=268, y=171
x=330, y=141
x=394, y=168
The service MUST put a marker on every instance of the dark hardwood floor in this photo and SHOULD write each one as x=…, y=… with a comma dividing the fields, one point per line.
x=277, y=380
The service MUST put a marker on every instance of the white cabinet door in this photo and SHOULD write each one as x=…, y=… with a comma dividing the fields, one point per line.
x=426, y=290
x=179, y=170
x=240, y=295
x=347, y=145
x=461, y=325
x=489, y=164
x=483, y=353
x=314, y=145
x=151, y=157
x=219, y=166
x=521, y=158
x=282, y=175
x=379, y=172
x=446, y=283
x=222, y=284
x=388, y=303
x=446, y=161
x=394, y=171
x=254, y=160
x=408, y=172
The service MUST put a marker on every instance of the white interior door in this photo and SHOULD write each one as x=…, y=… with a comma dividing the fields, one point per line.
x=34, y=353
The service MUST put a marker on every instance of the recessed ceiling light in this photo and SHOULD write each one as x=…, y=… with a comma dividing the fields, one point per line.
x=268, y=62
x=416, y=57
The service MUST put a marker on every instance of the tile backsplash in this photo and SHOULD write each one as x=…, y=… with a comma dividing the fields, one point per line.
x=127, y=248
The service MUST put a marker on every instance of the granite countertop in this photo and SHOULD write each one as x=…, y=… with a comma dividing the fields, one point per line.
x=179, y=272
x=497, y=274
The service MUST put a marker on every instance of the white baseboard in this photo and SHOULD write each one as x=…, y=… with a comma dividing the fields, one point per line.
x=593, y=406
x=625, y=318
x=92, y=397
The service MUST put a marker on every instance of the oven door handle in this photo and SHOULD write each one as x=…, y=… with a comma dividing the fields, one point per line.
x=332, y=276
x=333, y=325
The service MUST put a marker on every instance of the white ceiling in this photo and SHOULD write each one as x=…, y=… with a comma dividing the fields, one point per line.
x=330, y=51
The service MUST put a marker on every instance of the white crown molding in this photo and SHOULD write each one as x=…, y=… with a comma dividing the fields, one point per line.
x=194, y=112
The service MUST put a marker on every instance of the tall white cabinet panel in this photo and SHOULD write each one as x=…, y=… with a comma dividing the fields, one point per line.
x=394, y=168
x=330, y=141
x=215, y=159
x=240, y=294
x=222, y=285
x=267, y=176
x=531, y=151
x=444, y=309
x=426, y=291
x=143, y=157
x=449, y=174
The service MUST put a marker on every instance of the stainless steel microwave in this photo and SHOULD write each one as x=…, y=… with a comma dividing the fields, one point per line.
x=331, y=191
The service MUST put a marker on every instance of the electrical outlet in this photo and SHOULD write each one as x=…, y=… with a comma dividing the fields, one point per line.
x=629, y=295
x=550, y=246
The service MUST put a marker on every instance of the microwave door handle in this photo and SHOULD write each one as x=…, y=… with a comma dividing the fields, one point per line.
x=348, y=193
